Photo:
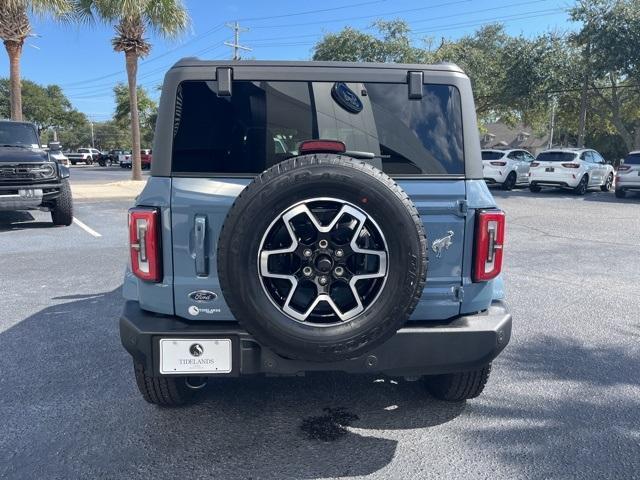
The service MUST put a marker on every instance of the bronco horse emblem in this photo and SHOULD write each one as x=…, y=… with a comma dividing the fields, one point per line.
x=441, y=244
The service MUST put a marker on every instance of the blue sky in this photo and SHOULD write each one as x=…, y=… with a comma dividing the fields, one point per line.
x=82, y=61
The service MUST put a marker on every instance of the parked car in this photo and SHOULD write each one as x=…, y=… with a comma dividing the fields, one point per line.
x=84, y=155
x=124, y=159
x=249, y=258
x=628, y=175
x=146, y=158
x=507, y=168
x=30, y=179
x=575, y=168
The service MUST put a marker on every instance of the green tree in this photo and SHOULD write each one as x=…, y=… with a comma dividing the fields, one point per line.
x=147, y=108
x=611, y=30
x=15, y=27
x=393, y=44
x=131, y=20
x=46, y=106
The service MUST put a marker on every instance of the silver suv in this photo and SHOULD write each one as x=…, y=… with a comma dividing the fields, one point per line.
x=628, y=175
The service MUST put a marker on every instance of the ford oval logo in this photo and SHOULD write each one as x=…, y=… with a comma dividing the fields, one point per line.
x=346, y=98
x=203, y=296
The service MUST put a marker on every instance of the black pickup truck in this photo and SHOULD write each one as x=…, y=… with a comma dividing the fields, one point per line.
x=29, y=178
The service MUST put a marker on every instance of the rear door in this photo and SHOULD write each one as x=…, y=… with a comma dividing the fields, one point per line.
x=221, y=142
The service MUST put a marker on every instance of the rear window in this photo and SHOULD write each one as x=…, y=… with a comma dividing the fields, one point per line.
x=556, y=157
x=492, y=155
x=632, y=159
x=264, y=122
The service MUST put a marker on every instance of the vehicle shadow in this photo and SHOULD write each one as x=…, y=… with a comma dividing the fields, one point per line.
x=591, y=196
x=71, y=410
x=20, y=220
x=586, y=423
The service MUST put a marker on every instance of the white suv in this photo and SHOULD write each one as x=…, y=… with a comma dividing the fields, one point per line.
x=506, y=167
x=576, y=168
x=628, y=175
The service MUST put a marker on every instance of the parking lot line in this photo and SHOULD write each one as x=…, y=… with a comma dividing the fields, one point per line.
x=86, y=228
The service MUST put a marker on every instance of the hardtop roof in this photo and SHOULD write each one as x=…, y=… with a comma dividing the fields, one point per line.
x=197, y=62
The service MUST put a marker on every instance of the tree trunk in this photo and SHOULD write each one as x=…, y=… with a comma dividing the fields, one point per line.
x=584, y=97
x=132, y=73
x=14, y=50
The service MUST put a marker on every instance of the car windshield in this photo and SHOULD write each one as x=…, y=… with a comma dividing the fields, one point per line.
x=556, y=157
x=19, y=134
x=489, y=155
x=632, y=159
x=83, y=150
x=263, y=123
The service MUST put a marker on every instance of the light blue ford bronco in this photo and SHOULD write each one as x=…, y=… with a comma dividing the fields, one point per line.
x=314, y=216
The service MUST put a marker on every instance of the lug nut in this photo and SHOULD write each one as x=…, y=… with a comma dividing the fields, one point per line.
x=339, y=253
x=323, y=244
x=307, y=252
x=323, y=280
x=307, y=271
x=339, y=271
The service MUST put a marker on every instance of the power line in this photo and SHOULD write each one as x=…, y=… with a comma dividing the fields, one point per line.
x=309, y=12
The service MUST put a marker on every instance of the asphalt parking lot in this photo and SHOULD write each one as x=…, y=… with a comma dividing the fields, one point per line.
x=563, y=400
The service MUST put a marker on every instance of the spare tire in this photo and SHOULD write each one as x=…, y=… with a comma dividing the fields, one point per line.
x=322, y=258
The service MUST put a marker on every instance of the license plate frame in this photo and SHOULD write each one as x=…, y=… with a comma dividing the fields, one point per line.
x=180, y=356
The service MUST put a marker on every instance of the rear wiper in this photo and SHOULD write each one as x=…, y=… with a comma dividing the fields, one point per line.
x=364, y=155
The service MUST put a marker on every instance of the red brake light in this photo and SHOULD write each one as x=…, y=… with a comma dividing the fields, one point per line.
x=322, y=146
x=535, y=164
x=144, y=243
x=570, y=165
x=624, y=167
x=498, y=164
x=488, y=248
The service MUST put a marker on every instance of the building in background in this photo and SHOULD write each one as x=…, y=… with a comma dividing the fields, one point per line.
x=500, y=135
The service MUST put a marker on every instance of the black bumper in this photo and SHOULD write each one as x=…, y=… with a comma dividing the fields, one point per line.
x=420, y=348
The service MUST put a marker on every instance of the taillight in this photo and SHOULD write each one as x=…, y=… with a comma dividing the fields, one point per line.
x=488, y=249
x=320, y=146
x=535, y=164
x=498, y=164
x=570, y=165
x=624, y=167
x=144, y=243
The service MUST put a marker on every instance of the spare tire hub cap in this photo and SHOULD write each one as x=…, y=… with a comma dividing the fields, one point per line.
x=345, y=272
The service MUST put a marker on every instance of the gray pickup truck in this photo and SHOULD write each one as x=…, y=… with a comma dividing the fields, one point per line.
x=314, y=216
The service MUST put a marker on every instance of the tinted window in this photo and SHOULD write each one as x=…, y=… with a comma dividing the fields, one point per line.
x=632, y=159
x=597, y=158
x=556, y=157
x=487, y=155
x=18, y=134
x=263, y=123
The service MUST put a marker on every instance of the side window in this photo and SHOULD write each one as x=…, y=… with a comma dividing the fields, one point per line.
x=597, y=158
x=514, y=155
x=586, y=157
x=528, y=157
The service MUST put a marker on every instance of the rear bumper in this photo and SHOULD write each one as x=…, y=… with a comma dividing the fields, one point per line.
x=424, y=348
x=557, y=179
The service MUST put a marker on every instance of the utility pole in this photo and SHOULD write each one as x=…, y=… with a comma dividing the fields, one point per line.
x=236, y=39
x=553, y=121
x=584, y=96
x=92, y=141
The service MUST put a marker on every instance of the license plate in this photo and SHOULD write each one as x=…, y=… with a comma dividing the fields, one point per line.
x=194, y=355
x=549, y=169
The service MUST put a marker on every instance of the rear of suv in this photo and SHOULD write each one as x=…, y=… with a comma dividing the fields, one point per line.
x=577, y=169
x=628, y=175
x=506, y=168
x=314, y=216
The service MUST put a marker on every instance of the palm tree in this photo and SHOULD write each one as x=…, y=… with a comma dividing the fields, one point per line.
x=14, y=29
x=131, y=20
